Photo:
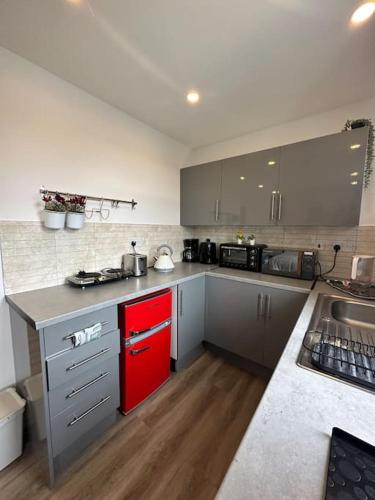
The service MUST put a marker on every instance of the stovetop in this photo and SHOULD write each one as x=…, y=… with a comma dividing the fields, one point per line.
x=107, y=275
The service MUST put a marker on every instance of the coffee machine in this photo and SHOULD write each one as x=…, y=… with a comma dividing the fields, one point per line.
x=191, y=250
x=207, y=252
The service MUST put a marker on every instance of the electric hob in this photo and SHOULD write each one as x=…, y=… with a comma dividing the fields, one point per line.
x=107, y=275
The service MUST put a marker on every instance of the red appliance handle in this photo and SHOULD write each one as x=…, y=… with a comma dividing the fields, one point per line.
x=134, y=352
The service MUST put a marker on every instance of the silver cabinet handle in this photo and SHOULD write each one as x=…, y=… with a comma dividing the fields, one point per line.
x=83, y=387
x=260, y=305
x=87, y=360
x=71, y=335
x=279, y=207
x=217, y=203
x=146, y=333
x=269, y=307
x=134, y=352
x=152, y=329
x=273, y=200
x=87, y=412
x=181, y=301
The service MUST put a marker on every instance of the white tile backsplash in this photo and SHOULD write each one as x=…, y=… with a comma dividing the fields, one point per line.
x=35, y=257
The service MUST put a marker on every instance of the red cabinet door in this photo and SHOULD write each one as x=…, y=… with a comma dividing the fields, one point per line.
x=145, y=364
x=142, y=314
x=146, y=368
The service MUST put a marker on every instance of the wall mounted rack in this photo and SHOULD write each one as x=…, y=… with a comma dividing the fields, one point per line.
x=114, y=202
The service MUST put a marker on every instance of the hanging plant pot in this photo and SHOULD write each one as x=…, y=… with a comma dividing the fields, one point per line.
x=75, y=220
x=54, y=220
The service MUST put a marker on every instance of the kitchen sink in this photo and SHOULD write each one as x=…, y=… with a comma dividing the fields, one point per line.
x=340, y=341
x=354, y=314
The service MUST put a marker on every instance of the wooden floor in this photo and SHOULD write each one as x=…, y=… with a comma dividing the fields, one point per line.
x=177, y=445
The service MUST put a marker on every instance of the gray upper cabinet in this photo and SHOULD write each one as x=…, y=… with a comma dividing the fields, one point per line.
x=309, y=183
x=200, y=188
x=321, y=180
x=191, y=310
x=249, y=188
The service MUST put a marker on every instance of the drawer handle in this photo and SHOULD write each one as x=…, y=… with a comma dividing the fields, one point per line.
x=90, y=358
x=87, y=412
x=71, y=335
x=153, y=329
x=134, y=352
x=83, y=387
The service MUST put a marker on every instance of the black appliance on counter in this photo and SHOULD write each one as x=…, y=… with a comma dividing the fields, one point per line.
x=191, y=250
x=292, y=263
x=207, y=252
x=241, y=256
x=83, y=279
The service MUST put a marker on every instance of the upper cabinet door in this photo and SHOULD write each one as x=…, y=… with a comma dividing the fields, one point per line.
x=200, y=194
x=321, y=180
x=249, y=188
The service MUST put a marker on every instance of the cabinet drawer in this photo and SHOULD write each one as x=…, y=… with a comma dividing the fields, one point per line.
x=91, y=384
x=55, y=337
x=68, y=365
x=73, y=423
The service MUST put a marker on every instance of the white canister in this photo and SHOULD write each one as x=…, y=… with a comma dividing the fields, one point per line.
x=54, y=220
x=75, y=220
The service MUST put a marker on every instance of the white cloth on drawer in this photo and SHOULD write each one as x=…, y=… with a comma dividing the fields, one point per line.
x=79, y=338
x=93, y=332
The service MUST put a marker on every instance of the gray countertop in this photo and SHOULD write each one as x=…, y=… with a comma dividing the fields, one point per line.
x=47, y=306
x=284, y=452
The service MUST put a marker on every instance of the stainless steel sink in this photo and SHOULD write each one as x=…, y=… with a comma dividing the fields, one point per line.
x=340, y=341
x=354, y=314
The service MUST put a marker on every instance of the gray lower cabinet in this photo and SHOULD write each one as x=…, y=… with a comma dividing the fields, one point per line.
x=200, y=189
x=190, y=320
x=249, y=188
x=80, y=386
x=321, y=180
x=249, y=320
x=281, y=311
x=233, y=319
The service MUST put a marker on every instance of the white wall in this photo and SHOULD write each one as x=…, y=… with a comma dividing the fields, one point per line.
x=6, y=350
x=294, y=131
x=53, y=133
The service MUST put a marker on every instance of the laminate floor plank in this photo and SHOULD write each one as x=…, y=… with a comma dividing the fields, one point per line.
x=177, y=445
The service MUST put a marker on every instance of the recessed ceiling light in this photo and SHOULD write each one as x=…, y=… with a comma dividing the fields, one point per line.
x=354, y=174
x=242, y=178
x=354, y=183
x=75, y=2
x=271, y=162
x=363, y=12
x=355, y=146
x=192, y=97
x=260, y=186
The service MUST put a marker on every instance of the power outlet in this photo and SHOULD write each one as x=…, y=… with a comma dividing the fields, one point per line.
x=336, y=248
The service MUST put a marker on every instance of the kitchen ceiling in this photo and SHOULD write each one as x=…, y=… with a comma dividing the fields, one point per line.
x=254, y=63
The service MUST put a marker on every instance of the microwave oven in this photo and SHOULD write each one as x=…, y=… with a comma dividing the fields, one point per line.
x=241, y=256
x=289, y=262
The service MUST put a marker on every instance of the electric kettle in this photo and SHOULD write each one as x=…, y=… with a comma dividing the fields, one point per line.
x=362, y=267
x=164, y=262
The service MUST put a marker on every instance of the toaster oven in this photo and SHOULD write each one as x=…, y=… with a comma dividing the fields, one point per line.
x=241, y=256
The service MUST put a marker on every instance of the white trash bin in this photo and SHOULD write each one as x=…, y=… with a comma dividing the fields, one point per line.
x=12, y=407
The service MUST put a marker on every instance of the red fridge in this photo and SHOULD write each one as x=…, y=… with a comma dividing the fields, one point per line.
x=145, y=325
